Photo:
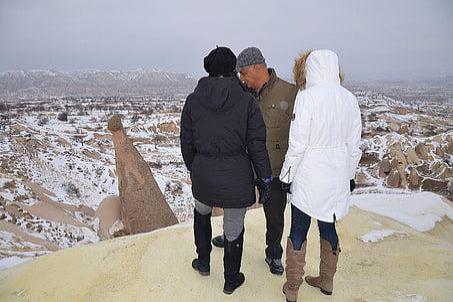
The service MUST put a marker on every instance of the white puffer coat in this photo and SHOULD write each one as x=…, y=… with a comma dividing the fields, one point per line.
x=324, y=141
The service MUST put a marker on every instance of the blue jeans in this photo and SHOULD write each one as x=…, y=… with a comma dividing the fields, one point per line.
x=300, y=224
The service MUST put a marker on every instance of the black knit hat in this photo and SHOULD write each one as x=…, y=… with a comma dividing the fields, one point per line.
x=221, y=61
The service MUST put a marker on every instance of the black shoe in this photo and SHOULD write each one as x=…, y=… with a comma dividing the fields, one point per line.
x=230, y=287
x=218, y=241
x=232, y=264
x=203, y=233
x=203, y=269
x=275, y=266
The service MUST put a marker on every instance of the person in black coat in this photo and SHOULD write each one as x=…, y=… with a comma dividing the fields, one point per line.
x=223, y=144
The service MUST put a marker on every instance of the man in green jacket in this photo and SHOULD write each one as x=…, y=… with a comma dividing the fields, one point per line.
x=276, y=100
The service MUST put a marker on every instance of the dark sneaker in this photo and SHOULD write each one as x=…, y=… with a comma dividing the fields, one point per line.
x=203, y=270
x=218, y=241
x=275, y=266
x=231, y=286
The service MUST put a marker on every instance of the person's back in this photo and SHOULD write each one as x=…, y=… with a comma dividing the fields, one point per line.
x=219, y=111
x=326, y=131
x=331, y=119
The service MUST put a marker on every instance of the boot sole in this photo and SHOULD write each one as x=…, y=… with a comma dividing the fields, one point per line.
x=229, y=292
x=322, y=290
x=204, y=274
x=286, y=298
x=273, y=271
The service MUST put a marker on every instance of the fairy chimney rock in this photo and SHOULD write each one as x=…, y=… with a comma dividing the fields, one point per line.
x=143, y=206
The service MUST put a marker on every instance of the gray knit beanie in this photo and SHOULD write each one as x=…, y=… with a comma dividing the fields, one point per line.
x=249, y=56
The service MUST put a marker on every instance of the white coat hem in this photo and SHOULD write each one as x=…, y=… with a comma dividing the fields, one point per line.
x=312, y=215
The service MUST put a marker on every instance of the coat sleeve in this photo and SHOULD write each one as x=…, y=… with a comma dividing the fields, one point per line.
x=188, y=149
x=299, y=136
x=256, y=141
x=353, y=141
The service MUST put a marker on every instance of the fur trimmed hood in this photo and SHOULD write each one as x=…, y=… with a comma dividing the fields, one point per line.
x=316, y=66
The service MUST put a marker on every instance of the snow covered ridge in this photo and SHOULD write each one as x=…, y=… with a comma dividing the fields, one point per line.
x=46, y=83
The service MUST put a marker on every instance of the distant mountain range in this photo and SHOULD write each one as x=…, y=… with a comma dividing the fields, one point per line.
x=429, y=90
x=441, y=81
x=46, y=83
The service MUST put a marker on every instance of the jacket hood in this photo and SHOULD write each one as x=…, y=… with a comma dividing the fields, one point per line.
x=322, y=68
x=218, y=93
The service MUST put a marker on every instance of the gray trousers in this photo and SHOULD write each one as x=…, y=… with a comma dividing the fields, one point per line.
x=233, y=219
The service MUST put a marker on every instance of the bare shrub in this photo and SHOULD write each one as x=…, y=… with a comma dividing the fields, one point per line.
x=71, y=189
x=62, y=116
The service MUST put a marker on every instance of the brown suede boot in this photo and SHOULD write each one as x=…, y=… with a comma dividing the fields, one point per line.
x=327, y=268
x=295, y=262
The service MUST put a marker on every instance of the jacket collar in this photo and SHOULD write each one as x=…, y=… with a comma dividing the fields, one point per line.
x=269, y=84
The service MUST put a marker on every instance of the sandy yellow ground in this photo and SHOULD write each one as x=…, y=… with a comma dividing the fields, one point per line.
x=156, y=267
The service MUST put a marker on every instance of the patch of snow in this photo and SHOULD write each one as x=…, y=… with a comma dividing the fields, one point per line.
x=6, y=239
x=378, y=235
x=12, y=261
x=379, y=109
x=4, y=181
x=5, y=146
x=409, y=298
x=7, y=195
x=420, y=211
x=117, y=226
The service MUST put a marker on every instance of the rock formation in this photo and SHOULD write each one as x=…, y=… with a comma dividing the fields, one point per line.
x=384, y=167
x=412, y=157
x=394, y=179
x=414, y=179
x=143, y=206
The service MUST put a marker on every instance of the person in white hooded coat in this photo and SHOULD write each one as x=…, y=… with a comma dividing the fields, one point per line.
x=322, y=157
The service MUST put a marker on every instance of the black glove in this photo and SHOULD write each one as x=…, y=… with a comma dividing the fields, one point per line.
x=351, y=185
x=286, y=187
x=264, y=188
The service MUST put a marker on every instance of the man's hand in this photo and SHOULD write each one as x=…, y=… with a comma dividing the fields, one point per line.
x=286, y=187
x=264, y=188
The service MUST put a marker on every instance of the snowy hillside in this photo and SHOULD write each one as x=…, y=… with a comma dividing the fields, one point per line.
x=54, y=174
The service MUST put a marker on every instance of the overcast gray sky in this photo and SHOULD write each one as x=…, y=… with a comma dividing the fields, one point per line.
x=384, y=39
